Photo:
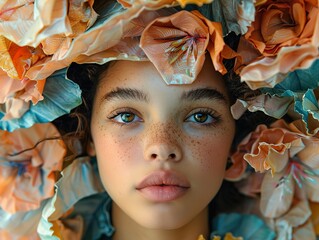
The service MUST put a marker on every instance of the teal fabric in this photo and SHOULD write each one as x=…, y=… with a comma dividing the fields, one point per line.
x=60, y=96
x=250, y=227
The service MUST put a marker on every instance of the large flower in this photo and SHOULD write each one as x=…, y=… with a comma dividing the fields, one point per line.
x=29, y=22
x=177, y=45
x=289, y=160
x=29, y=37
x=283, y=37
x=28, y=161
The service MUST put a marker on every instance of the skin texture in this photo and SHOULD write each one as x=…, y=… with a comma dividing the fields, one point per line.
x=163, y=131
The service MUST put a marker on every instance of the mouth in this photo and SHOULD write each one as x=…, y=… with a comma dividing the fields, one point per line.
x=163, y=186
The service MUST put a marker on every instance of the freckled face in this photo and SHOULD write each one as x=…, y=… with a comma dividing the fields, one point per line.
x=140, y=126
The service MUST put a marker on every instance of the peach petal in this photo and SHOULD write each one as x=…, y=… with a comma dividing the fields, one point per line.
x=276, y=198
x=29, y=24
x=32, y=170
x=87, y=46
x=261, y=72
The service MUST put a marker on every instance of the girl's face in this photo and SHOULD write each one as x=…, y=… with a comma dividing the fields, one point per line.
x=161, y=149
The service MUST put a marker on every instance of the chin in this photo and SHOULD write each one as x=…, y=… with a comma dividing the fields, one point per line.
x=163, y=218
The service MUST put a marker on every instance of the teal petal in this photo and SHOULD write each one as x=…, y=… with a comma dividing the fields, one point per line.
x=60, y=96
x=250, y=227
x=229, y=17
x=297, y=81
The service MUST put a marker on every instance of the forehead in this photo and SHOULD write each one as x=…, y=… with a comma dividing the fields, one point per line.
x=145, y=77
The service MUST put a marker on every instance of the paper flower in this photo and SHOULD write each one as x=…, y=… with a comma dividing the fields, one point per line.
x=283, y=38
x=29, y=158
x=234, y=15
x=29, y=38
x=177, y=44
x=28, y=23
x=60, y=95
x=289, y=160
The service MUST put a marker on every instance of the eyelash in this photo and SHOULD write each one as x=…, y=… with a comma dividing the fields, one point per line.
x=209, y=112
x=215, y=118
x=121, y=112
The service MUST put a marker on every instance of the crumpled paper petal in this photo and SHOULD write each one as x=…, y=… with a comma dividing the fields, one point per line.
x=282, y=47
x=269, y=71
x=295, y=224
x=176, y=45
x=273, y=106
x=87, y=46
x=24, y=225
x=234, y=15
x=81, y=177
x=29, y=23
x=19, y=226
x=236, y=171
x=60, y=96
x=28, y=160
x=276, y=195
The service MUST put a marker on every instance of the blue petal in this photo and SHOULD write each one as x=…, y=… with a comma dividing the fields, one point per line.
x=297, y=81
x=60, y=96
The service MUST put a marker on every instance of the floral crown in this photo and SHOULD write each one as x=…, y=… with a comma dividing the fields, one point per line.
x=278, y=54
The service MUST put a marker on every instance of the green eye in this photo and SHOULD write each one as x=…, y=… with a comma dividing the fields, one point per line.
x=200, y=117
x=127, y=117
x=203, y=117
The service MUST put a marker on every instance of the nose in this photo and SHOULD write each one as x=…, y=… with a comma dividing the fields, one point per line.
x=162, y=144
x=163, y=152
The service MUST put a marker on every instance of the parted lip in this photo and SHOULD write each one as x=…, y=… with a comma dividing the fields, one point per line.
x=164, y=178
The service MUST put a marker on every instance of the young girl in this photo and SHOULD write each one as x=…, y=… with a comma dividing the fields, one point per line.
x=157, y=117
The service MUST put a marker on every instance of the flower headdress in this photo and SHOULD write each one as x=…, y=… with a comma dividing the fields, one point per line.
x=278, y=54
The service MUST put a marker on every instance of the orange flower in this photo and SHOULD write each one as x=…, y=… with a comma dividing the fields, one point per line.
x=28, y=159
x=19, y=85
x=286, y=37
x=177, y=44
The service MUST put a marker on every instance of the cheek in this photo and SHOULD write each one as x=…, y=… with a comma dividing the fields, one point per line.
x=115, y=156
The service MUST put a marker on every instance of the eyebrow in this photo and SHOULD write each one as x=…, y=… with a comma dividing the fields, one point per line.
x=191, y=95
x=204, y=93
x=126, y=93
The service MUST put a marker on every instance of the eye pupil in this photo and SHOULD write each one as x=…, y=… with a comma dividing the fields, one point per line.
x=127, y=117
x=200, y=117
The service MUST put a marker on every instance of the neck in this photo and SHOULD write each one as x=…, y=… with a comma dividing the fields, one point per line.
x=127, y=229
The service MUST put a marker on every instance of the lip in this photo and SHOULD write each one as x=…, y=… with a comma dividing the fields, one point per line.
x=163, y=186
